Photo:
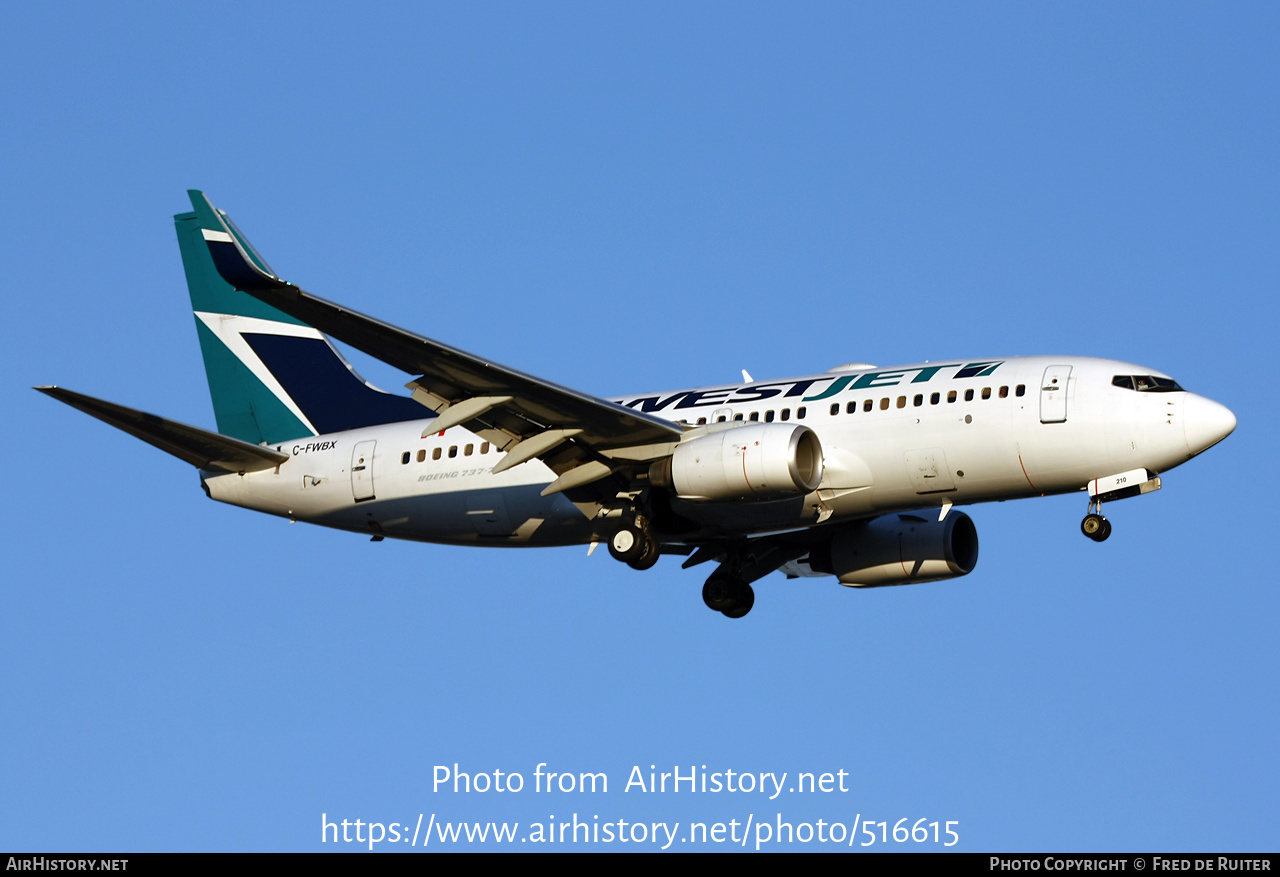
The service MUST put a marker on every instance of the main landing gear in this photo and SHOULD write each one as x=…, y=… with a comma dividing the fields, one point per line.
x=726, y=591
x=728, y=595
x=633, y=544
x=1094, y=525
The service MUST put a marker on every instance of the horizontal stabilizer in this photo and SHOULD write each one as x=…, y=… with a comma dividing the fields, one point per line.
x=199, y=447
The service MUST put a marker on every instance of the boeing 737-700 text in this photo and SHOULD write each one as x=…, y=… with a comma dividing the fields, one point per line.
x=851, y=473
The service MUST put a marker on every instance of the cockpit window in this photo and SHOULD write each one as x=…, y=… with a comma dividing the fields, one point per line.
x=1146, y=384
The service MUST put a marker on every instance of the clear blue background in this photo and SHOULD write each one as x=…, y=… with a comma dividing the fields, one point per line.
x=624, y=199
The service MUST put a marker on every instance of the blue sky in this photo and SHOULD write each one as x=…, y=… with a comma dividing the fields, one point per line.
x=624, y=199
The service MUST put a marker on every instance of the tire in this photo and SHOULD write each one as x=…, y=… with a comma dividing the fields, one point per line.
x=649, y=554
x=746, y=599
x=721, y=592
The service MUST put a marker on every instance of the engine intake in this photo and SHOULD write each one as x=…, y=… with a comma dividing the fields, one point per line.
x=759, y=461
x=899, y=550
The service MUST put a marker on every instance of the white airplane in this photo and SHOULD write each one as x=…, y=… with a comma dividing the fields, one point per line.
x=851, y=473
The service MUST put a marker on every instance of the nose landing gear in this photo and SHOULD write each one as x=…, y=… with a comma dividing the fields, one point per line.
x=1094, y=525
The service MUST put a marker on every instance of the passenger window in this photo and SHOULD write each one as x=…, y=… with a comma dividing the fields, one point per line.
x=852, y=407
x=435, y=455
x=951, y=396
x=422, y=456
x=737, y=417
x=786, y=413
x=800, y=413
x=1004, y=392
x=484, y=447
x=702, y=421
x=453, y=451
x=755, y=415
x=1021, y=391
x=934, y=398
x=986, y=393
x=768, y=417
x=866, y=406
x=721, y=419
x=884, y=404
x=404, y=458
x=968, y=395
x=918, y=400
x=467, y=451
x=835, y=409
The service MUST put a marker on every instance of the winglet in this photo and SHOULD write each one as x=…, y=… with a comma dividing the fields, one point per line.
x=233, y=256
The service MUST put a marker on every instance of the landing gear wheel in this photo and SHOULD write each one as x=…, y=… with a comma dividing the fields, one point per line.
x=627, y=543
x=648, y=554
x=720, y=591
x=746, y=599
x=1096, y=527
x=728, y=595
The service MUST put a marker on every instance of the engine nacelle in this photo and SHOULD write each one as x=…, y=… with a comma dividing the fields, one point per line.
x=899, y=550
x=756, y=461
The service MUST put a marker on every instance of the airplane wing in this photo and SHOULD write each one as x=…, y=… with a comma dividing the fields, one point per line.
x=199, y=447
x=570, y=431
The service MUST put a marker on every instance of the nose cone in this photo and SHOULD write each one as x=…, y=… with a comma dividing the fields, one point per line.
x=1205, y=423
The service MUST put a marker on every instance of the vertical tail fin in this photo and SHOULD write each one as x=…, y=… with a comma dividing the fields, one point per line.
x=272, y=377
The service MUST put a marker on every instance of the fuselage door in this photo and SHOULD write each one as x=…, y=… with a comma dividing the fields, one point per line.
x=362, y=470
x=1053, y=394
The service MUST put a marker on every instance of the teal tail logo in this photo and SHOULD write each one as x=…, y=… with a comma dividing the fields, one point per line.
x=272, y=378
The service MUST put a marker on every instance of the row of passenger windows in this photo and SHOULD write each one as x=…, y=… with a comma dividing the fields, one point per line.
x=934, y=399
x=769, y=416
x=869, y=404
x=437, y=453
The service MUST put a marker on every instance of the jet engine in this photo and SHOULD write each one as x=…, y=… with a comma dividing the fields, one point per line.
x=757, y=461
x=899, y=550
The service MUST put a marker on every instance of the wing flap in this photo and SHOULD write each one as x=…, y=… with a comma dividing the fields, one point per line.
x=199, y=447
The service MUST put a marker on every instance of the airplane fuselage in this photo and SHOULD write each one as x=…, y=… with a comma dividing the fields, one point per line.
x=893, y=439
